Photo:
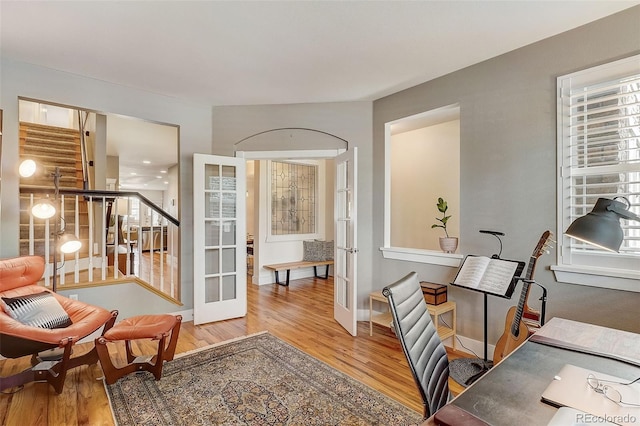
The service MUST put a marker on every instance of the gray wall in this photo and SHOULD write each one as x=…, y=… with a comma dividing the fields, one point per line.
x=20, y=79
x=350, y=121
x=508, y=168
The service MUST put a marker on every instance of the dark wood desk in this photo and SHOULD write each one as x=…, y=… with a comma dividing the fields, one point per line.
x=509, y=394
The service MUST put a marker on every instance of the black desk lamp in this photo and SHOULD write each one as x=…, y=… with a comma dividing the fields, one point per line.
x=601, y=226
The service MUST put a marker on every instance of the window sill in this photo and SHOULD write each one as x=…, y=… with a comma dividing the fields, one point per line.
x=615, y=279
x=422, y=256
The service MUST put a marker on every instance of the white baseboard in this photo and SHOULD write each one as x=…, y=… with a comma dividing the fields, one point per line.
x=187, y=315
x=463, y=343
x=476, y=346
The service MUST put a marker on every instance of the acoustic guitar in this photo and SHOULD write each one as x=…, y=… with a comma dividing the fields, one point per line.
x=515, y=330
x=530, y=316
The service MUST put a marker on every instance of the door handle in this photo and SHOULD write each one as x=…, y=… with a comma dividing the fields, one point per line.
x=352, y=250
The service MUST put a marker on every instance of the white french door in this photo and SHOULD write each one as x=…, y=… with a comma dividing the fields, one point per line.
x=346, y=252
x=219, y=238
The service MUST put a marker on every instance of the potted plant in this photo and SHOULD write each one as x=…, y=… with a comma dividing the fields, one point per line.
x=447, y=244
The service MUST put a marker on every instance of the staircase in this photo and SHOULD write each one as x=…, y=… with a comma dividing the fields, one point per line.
x=51, y=147
x=85, y=212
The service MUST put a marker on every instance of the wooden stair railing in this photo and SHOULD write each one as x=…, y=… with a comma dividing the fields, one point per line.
x=156, y=264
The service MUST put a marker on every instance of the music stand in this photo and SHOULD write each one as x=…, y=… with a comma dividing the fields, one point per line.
x=489, y=276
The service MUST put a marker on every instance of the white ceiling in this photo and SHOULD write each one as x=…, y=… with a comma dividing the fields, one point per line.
x=278, y=52
x=274, y=52
x=146, y=152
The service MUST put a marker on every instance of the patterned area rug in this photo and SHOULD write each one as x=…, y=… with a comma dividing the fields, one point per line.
x=258, y=380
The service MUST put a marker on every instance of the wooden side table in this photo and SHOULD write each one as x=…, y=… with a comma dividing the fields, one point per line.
x=380, y=318
x=445, y=331
x=384, y=318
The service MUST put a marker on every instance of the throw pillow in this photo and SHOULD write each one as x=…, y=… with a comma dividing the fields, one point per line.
x=37, y=310
x=313, y=250
x=328, y=250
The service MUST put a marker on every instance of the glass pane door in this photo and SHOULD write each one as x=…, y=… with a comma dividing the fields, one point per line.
x=219, y=238
x=345, y=268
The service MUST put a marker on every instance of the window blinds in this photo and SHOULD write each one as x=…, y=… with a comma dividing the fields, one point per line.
x=601, y=151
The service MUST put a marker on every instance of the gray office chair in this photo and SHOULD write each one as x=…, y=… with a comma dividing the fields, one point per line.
x=420, y=342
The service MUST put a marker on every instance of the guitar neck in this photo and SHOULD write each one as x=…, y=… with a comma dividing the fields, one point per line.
x=515, y=325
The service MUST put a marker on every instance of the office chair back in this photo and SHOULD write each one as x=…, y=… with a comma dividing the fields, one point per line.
x=420, y=342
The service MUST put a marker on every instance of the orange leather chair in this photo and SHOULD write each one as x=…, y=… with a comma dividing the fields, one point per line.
x=18, y=277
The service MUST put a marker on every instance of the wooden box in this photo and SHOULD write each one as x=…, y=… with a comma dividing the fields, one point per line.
x=434, y=294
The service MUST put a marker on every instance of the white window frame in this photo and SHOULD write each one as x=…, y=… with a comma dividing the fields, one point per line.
x=576, y=263
x=388, y=251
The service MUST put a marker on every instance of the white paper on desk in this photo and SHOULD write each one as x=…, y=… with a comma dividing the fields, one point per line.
x=566, y=416
x=570, y=389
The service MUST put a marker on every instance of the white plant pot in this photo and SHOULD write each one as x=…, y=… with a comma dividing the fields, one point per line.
x=449, y=244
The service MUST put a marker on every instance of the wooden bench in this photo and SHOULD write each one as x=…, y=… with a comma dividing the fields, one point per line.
x=277, y=267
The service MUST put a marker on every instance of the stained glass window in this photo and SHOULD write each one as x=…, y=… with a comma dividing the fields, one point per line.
x=293, y=198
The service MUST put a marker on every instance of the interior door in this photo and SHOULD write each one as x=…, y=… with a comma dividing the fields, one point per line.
x=219, y=238
x=346, y=255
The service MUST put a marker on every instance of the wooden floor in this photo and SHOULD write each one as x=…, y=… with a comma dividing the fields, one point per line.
x=150, y=267
x=301, y=315
x=147, y=266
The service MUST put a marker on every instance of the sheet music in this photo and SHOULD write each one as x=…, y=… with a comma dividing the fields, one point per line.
x=471, y=271
x=498, y=276
x=485, y=274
